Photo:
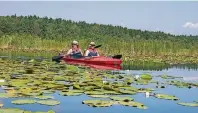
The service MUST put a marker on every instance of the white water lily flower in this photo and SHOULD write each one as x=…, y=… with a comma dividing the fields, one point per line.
x=147, y=94
x=137, y=76
x=104, y=82
x=2, y=80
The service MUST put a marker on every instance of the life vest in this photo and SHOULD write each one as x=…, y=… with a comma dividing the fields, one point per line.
x=92, y=52
x=76, y=53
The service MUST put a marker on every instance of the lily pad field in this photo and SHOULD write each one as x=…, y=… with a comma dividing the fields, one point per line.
x=43, y=86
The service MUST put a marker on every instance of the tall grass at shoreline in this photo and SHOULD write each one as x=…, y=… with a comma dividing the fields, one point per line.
x=131, y=50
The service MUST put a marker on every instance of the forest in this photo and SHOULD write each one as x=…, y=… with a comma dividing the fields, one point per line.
x=33, y=33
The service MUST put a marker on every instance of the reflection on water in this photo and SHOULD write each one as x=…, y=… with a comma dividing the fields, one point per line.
x=155, y=66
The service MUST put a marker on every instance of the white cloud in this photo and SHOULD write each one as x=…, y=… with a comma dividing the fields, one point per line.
x=191, y=25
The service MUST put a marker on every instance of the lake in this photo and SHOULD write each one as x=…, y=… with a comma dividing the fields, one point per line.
x=73, y=104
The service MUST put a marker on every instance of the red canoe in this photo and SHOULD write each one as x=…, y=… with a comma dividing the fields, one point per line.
x=101, y=60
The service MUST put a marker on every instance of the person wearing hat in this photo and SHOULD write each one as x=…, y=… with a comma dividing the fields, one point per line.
x=91, y=51
x=75, y=51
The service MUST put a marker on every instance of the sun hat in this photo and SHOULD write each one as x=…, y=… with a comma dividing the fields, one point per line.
x=75, y=42
x=92, y=43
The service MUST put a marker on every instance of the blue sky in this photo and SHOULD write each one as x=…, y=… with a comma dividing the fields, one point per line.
x=172, y=17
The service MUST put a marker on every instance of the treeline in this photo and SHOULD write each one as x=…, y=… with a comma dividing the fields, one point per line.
x=48, y=28
x=47, y=33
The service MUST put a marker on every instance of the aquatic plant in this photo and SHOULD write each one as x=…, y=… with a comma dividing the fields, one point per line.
x=48, y=102
x=24, y=101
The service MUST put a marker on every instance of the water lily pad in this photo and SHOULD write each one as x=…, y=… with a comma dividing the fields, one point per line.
x=90, y=88
x=42, y=97
x=146, y=77
x=25, y=101
x=18, y=83
x=99, y=96
x=44, y=112
x=48, y=91
x=125, y=99
x=142, y=82
x=32, y=94
x=14, y=110
x=165, y=96
x=75, y=91
x=48, y=102
x=98, y=103
x=59, y=78
x=133, y=104
x=111, y=92
x=8, y=95
x=127, y=92
x=129, y=88
x=144, y=90
x=188, y=104
x=94, y=93
x=72, y=68
x=70, y=93
x=11, y=110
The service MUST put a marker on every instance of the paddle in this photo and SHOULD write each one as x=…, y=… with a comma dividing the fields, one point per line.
x=57, y=58
x=97, y=46
x=117, y=56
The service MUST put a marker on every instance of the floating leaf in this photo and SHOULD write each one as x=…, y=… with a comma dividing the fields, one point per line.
x=94, y=93
x=99, y=96
x=146, y=77
x=144, y=90
x=48, y=91
x=165, y=96
x=59, y=78
x=44, y=112
x=98, y=103
x=70, y=93
x=11, y=110
x=129, y=88
x=188, y=104
x=14, y=110
x=42, y=97
x=48, y=102
x=142, y=82
x=127, y=92
x=7, y=95
x=125, y=99
x=133, y=104
x=111, y=92
x=26, y=101
x=72, y=68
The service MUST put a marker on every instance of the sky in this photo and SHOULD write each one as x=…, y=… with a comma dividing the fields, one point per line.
x=178, y=17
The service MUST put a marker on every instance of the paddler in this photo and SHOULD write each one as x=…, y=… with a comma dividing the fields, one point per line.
x=91, y=51
x=75, y=51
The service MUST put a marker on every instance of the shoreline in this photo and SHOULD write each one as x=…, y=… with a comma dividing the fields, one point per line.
x=166, y=59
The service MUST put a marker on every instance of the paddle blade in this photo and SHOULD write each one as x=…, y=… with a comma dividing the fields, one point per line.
x=97, y=46
x=57, y=58
x=117, y=56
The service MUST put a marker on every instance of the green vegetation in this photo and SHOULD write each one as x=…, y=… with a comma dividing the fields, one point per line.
x=32, y=33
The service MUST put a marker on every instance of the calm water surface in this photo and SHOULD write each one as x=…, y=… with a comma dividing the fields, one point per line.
x=73, y=104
